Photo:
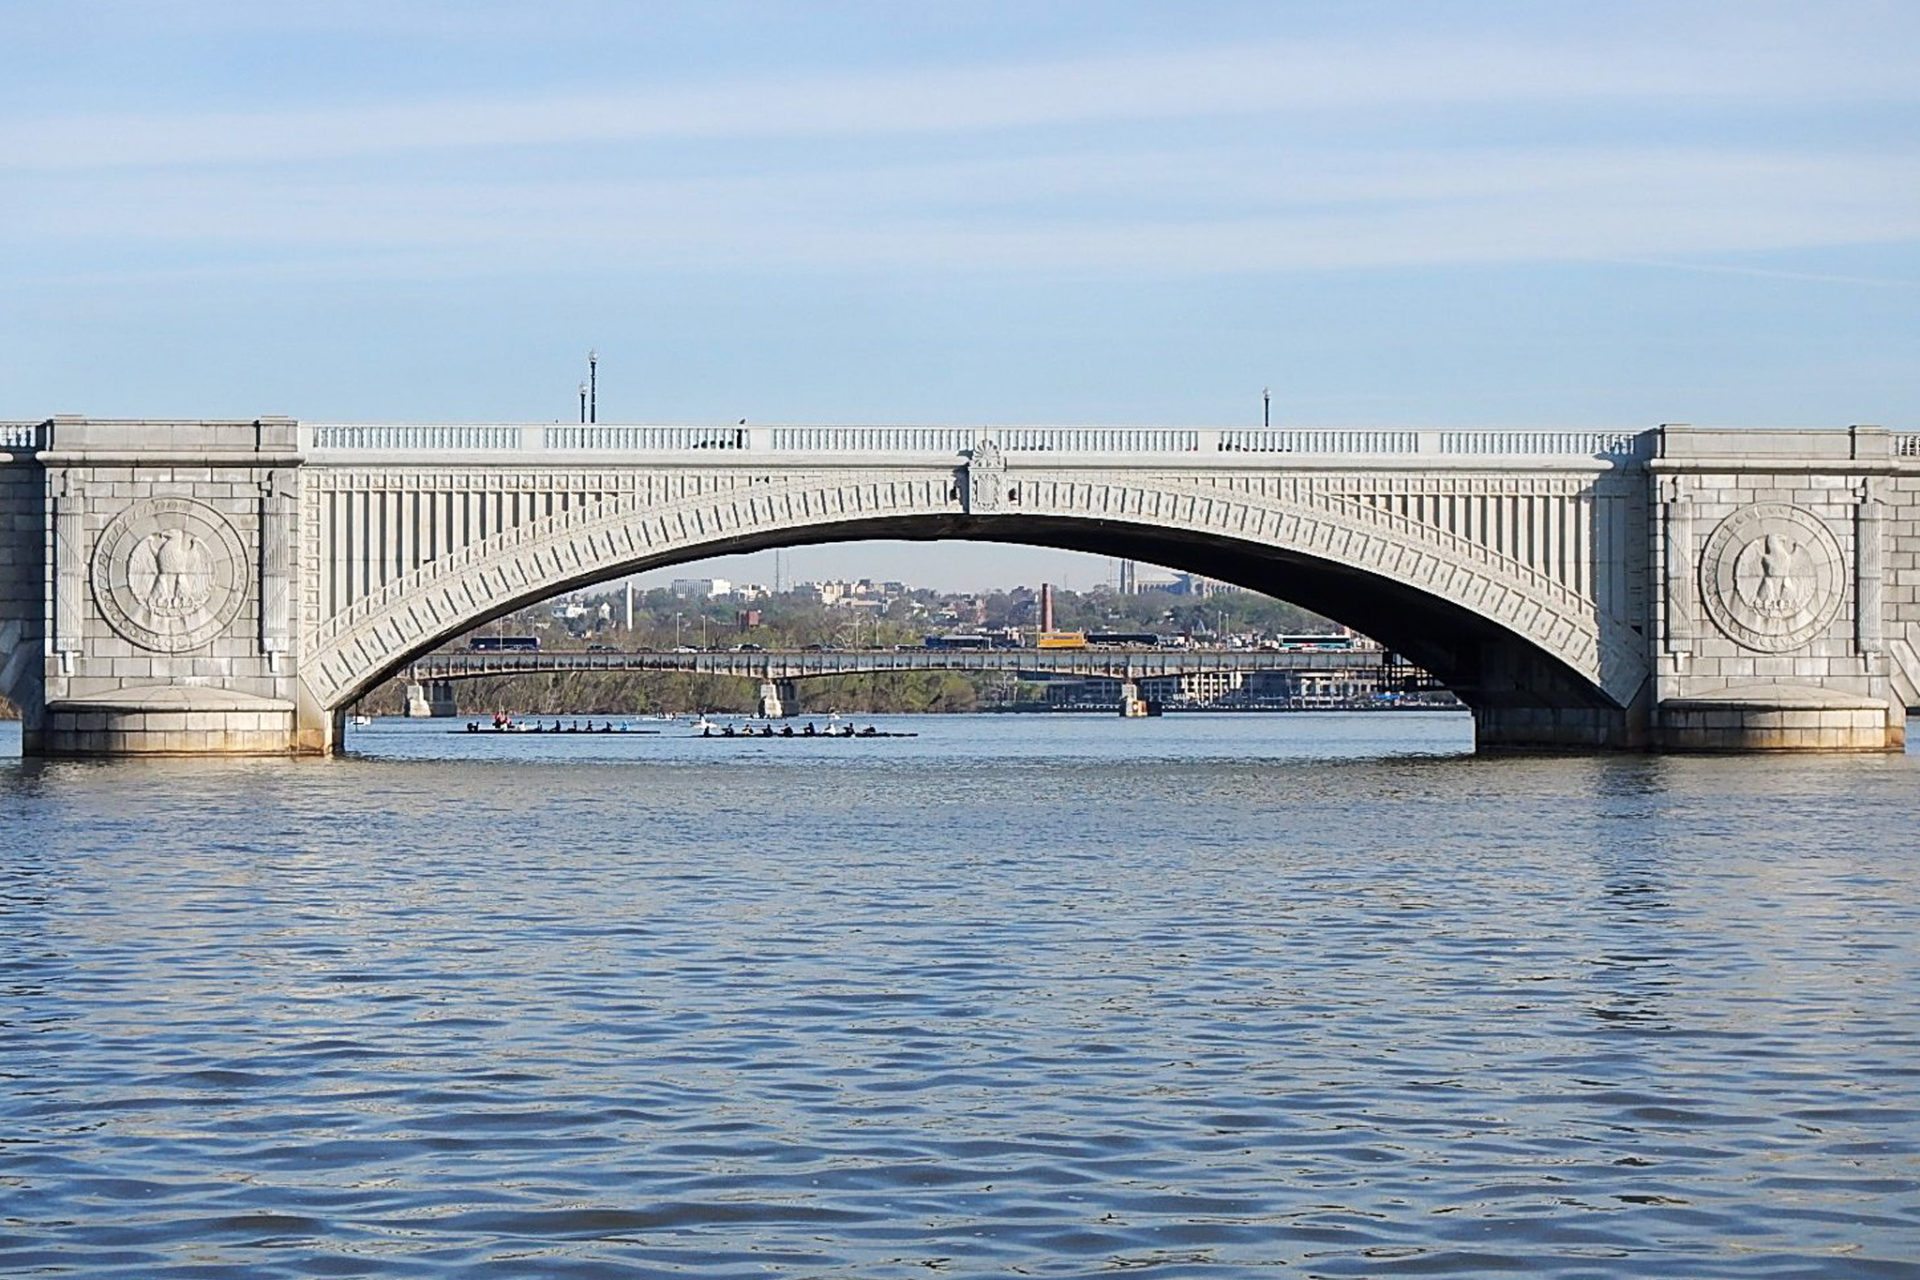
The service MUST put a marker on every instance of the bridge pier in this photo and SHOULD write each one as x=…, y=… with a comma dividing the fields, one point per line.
x=168, y=721
x=433, y=699
x=1775, y=719
x=779, y=699
x=1508, y=728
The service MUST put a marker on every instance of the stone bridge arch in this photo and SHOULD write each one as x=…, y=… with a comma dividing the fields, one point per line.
x=1517, y=635
x=1681, y=588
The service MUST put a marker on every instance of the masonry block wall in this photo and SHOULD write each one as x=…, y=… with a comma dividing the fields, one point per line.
x=1787, y=596
x=22, y=572
x=168, y=571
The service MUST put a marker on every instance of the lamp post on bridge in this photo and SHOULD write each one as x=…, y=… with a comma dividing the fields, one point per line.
x=583, y=402
x=1266, y=406
x=593, y=385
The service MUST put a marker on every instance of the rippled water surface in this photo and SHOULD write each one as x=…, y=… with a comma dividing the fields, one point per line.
x=1302, y=995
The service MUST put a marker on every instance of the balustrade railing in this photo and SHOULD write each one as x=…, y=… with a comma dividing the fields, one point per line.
x=19, y=435
x=1906, y=445
x=407, y=437
x=871, y=439
x=1603, y=444
x=644, y=439
x=1368, y=440
x=1094, y=439
x=955, y=441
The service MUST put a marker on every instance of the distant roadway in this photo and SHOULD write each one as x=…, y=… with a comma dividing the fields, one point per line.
x=791, y=664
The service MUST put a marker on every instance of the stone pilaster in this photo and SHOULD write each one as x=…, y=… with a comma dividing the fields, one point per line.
x=1869, y=560
x=68, y=624
x=1676, y=525
x=277, y=499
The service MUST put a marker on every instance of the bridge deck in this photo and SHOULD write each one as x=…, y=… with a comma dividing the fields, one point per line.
x=813, y=663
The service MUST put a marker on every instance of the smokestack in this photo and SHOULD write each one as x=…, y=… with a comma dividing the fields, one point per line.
x=1046, y=606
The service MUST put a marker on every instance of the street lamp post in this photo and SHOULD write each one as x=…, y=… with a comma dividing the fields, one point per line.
x=593, y=385
x=583, y=402
x=1266, y=406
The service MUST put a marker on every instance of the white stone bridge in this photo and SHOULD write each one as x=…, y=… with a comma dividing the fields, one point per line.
x=172, y=586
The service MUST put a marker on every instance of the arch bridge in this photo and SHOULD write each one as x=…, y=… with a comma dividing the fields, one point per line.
x=220, y=586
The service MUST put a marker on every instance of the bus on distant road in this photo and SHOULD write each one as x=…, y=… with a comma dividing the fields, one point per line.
x=504, y=644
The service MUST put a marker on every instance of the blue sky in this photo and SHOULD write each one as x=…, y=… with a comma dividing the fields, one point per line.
x=1430, y=213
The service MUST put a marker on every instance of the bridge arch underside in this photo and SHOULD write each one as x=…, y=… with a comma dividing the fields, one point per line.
x=1521, y=691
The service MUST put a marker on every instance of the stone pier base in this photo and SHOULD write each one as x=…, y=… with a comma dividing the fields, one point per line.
x=433, y=700
x=1780, y=718
x=166, y=720
x=1556, y=729
x=779, y=699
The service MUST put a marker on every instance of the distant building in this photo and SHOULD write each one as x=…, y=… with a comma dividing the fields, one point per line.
x=701, y=588
x=1193, y=584
x=864, y=594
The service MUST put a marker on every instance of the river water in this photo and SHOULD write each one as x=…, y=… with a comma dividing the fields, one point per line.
x=1310, y=995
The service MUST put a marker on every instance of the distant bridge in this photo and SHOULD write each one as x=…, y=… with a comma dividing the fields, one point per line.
x=779, y=671
x=803, y=664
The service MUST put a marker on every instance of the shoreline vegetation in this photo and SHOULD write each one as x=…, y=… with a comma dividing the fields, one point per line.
x=849, y=615
x=658, y=693
x=867, y=614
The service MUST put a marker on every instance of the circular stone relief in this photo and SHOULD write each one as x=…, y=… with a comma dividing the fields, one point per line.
x=169, y=574
x=1772, y=577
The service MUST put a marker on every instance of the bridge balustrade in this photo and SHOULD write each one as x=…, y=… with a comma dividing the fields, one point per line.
x=1320, y=440
x=643, y=439
x=1605, y=444
x=411, y=437
x=957, y=441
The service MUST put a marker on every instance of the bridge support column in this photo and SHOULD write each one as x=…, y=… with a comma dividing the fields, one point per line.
x=434, y=700
x=1775, y=718
x=170, y=588
x=1782, y=629
x=779, y=699
x=1132, y=705
x=1557, y=729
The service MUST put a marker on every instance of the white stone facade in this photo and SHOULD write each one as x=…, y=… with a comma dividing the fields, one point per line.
x=1573, y=586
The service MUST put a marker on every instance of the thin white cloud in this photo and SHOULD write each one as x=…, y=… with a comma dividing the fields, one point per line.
x=1151, y=212
x=1773, y=273
x=1242, y=80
